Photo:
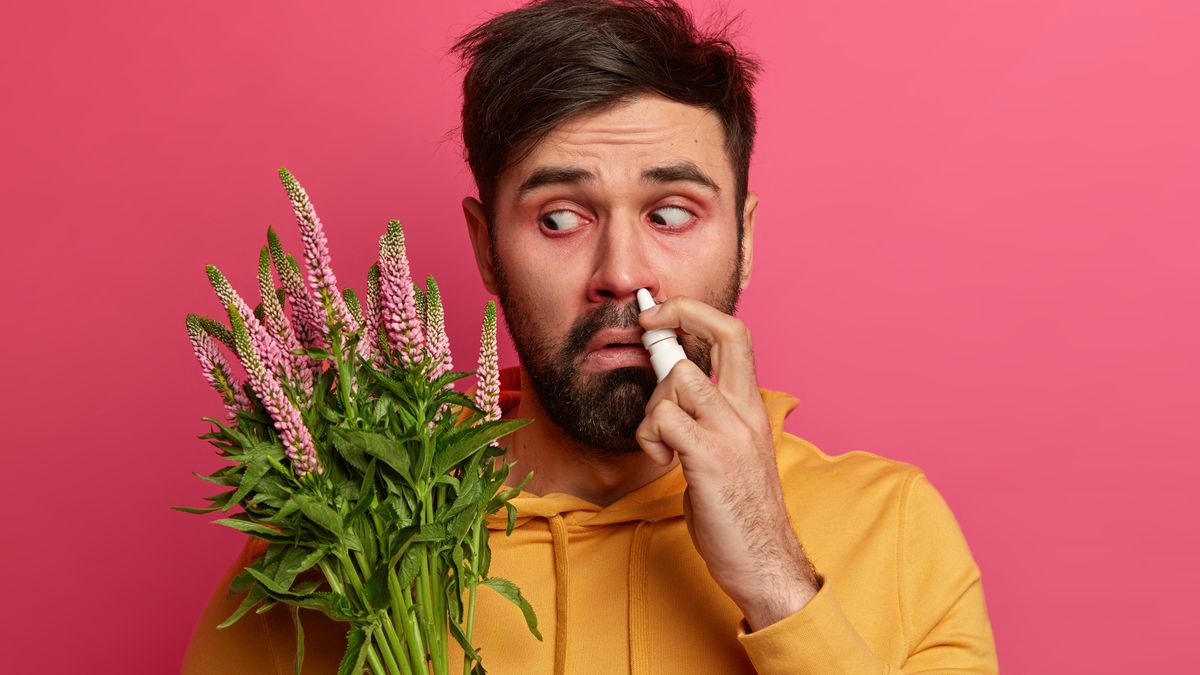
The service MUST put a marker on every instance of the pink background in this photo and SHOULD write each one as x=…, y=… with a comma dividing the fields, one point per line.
x=977, y=253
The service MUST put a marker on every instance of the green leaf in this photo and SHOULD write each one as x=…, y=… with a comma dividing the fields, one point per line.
x=319, y=513
x=410, y=565
x=334, y=605
x=435, y=532
x=467, y=498
x=254, y=529
x=450, y=376
x=254, y=596
x=376, y=588
x=192, y=509
x=485, y=556
x=399, y=542
x=216, y=478
x=254, y=473
x=479, y=438
x=400, y=389
x=286, y=509
x=462, y=640
x=272, y=586
x=512, y=518
x=510, y=592
x=391, y=451
x=352, y=661
x=366, y=493
x=296, y=562
x=353, y=454
x=457, y=527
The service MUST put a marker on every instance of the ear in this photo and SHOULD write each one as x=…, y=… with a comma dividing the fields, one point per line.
x=748, y=238
x=477, y=229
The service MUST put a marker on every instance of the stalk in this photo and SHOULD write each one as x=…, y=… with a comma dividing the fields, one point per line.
x=389, y=657
x=391, y=644
x=357, y=585
x=474, y=584
x=424, y=610
x=373, y=659
x=343, y=381
x=416, y=646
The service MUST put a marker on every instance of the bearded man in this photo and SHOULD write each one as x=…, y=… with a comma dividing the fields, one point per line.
x=673, y=526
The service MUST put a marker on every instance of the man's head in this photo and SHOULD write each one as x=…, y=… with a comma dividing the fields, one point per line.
x=610, y=143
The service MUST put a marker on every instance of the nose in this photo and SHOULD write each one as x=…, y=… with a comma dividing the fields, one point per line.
x=622, y=262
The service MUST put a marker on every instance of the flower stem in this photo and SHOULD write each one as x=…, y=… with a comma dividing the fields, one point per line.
x=474, y=584
x=373, y=658
x=416, y=647
x=389, y=658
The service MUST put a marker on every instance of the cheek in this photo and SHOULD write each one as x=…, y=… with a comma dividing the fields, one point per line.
x=701, y=265
x=535, y=285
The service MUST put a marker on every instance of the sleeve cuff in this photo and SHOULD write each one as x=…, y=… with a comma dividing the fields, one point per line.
x=818, y=638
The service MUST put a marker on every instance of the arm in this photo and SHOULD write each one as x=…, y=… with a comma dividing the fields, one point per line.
x=943, y=611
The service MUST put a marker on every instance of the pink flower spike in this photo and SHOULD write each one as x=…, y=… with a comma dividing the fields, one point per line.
x=265, y=345
x=438, y=343
x=398, y=312
x=299, y=370
x=316, y=254
x=367, y=347
x=310, y=326
x=216, y=368
x=487, y=391
x=295, y=437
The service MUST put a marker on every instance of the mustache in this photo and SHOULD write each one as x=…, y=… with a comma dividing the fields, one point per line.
x=608, y=315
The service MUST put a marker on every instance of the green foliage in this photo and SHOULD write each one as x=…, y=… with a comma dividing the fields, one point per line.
x=400, y=504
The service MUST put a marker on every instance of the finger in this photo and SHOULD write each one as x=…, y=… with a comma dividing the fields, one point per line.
x=667, y=429
x=690, y=389
x=649, y=436
x=728, y=339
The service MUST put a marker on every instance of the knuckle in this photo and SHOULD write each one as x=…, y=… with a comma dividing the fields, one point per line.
x=699, y=387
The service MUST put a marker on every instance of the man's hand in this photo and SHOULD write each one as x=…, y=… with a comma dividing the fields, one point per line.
x=734, y=502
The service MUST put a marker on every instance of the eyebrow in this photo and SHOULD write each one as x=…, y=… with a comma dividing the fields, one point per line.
x=571, y=175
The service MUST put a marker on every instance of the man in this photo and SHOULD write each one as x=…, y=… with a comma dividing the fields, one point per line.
x=661, y=533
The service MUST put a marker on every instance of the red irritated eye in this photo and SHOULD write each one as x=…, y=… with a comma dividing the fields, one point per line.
x=561, y=220
x=671, y=217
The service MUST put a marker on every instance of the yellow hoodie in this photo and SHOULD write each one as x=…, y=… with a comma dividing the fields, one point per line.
x=621, y=589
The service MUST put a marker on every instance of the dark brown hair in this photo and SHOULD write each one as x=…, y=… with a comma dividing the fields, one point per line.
x=532, y=68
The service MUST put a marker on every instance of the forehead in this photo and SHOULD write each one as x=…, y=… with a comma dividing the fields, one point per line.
x=621, y=142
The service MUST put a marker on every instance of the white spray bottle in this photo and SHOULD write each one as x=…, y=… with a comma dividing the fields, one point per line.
x=662, y=343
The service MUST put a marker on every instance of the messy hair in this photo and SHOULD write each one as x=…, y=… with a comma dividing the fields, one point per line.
x=532, y=68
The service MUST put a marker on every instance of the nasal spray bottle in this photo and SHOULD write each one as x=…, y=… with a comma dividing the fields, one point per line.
x=662, y=343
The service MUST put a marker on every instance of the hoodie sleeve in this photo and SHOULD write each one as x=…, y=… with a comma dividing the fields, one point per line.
x=244, y=647
x=943, y=611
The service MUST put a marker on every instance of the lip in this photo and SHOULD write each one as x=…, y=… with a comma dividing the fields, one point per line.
x=630, y=336
x=631, y=352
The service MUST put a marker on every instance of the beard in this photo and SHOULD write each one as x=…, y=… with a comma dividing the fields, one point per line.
x=600, y=411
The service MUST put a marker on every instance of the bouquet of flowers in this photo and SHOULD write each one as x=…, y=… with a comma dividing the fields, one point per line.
x=353, y=456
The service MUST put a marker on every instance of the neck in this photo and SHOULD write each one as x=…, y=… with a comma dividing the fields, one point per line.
x=560, y=464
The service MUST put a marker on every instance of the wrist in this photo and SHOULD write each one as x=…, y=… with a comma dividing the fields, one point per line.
x=780, y=602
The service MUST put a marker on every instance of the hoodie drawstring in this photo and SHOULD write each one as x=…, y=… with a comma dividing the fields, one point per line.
x=639, y=620
x=558, y=537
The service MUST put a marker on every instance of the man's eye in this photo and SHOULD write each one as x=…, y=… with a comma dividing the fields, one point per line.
x=671, y=216
x=561, y=221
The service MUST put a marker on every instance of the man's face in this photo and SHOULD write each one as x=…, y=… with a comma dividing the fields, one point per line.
x=637, y=196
